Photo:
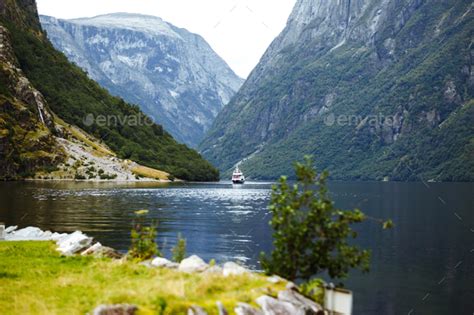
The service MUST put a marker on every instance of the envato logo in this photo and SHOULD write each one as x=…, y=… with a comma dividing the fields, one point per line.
x=356, y=120
x=118, y=120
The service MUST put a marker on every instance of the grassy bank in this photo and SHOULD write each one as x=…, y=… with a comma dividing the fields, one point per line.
x=35, y=279
x=150, y=173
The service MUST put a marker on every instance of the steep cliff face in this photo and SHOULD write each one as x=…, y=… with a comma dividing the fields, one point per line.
x=372, y=88
x=173, y=74
x=21, y=12
x=27, y=142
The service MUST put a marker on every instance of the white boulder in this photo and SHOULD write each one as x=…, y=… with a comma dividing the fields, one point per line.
x=196, y=310
x=232, y=269
x=272, y=306
x=221, y=309
x=246, y=309
x=275, y=279
x=305, y=305
x=29, y=233
x=74, y=243
x=118, y=309
x=161, y=262
x=193, y=264
x=11, y=229
x=91, y=250
x=58, y=236
x=292, y=286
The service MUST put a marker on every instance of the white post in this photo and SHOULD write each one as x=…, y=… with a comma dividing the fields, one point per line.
x=337, y=301
x=2, y=231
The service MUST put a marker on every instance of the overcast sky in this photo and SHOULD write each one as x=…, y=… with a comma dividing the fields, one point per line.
x=238, y=30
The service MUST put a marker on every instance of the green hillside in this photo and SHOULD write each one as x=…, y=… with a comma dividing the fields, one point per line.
x=397, y=105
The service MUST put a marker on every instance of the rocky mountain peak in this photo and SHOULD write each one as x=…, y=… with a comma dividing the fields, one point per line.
x=171, y=73
x=335, y=21
x=130, y=21
x=321, y=25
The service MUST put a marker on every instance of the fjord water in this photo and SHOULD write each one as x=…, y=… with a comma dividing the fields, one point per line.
x=424, y=265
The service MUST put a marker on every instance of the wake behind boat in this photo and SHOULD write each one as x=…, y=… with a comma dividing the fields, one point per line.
x=237, y=176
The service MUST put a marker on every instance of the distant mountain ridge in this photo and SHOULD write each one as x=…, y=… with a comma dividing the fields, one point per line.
x=373, y=89
x=172, y=74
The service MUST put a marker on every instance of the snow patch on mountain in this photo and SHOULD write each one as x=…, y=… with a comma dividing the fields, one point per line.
x=134, y=22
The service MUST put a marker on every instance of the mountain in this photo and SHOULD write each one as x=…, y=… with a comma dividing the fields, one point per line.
x=52, y=115
x=174, y=75
x=373, y=89
x=27, y=141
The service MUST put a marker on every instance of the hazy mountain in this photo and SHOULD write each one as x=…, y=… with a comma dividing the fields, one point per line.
x=172, y=74
x=373, y=89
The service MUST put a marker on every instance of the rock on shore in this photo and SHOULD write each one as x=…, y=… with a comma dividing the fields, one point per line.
x=68, y=244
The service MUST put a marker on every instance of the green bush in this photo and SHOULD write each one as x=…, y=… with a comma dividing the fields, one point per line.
x=108, y=176
x=313, y=289
x=311, y=235
x=179, y=251
x=143, y=238
x=78, y=176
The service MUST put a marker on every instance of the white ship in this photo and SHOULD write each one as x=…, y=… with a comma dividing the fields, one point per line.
x=238, y=177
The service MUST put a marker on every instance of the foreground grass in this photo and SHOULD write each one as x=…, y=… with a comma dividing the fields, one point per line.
x=35, y=279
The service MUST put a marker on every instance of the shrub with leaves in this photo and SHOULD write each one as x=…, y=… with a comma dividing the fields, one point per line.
x=143, y=238
x=311, y=235
x=313, y=289
x=179, y=251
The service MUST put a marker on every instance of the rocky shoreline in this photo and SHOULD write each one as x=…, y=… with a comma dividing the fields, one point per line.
x=289, y=301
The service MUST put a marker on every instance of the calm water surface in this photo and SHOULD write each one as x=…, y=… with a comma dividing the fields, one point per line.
x=424, y=265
